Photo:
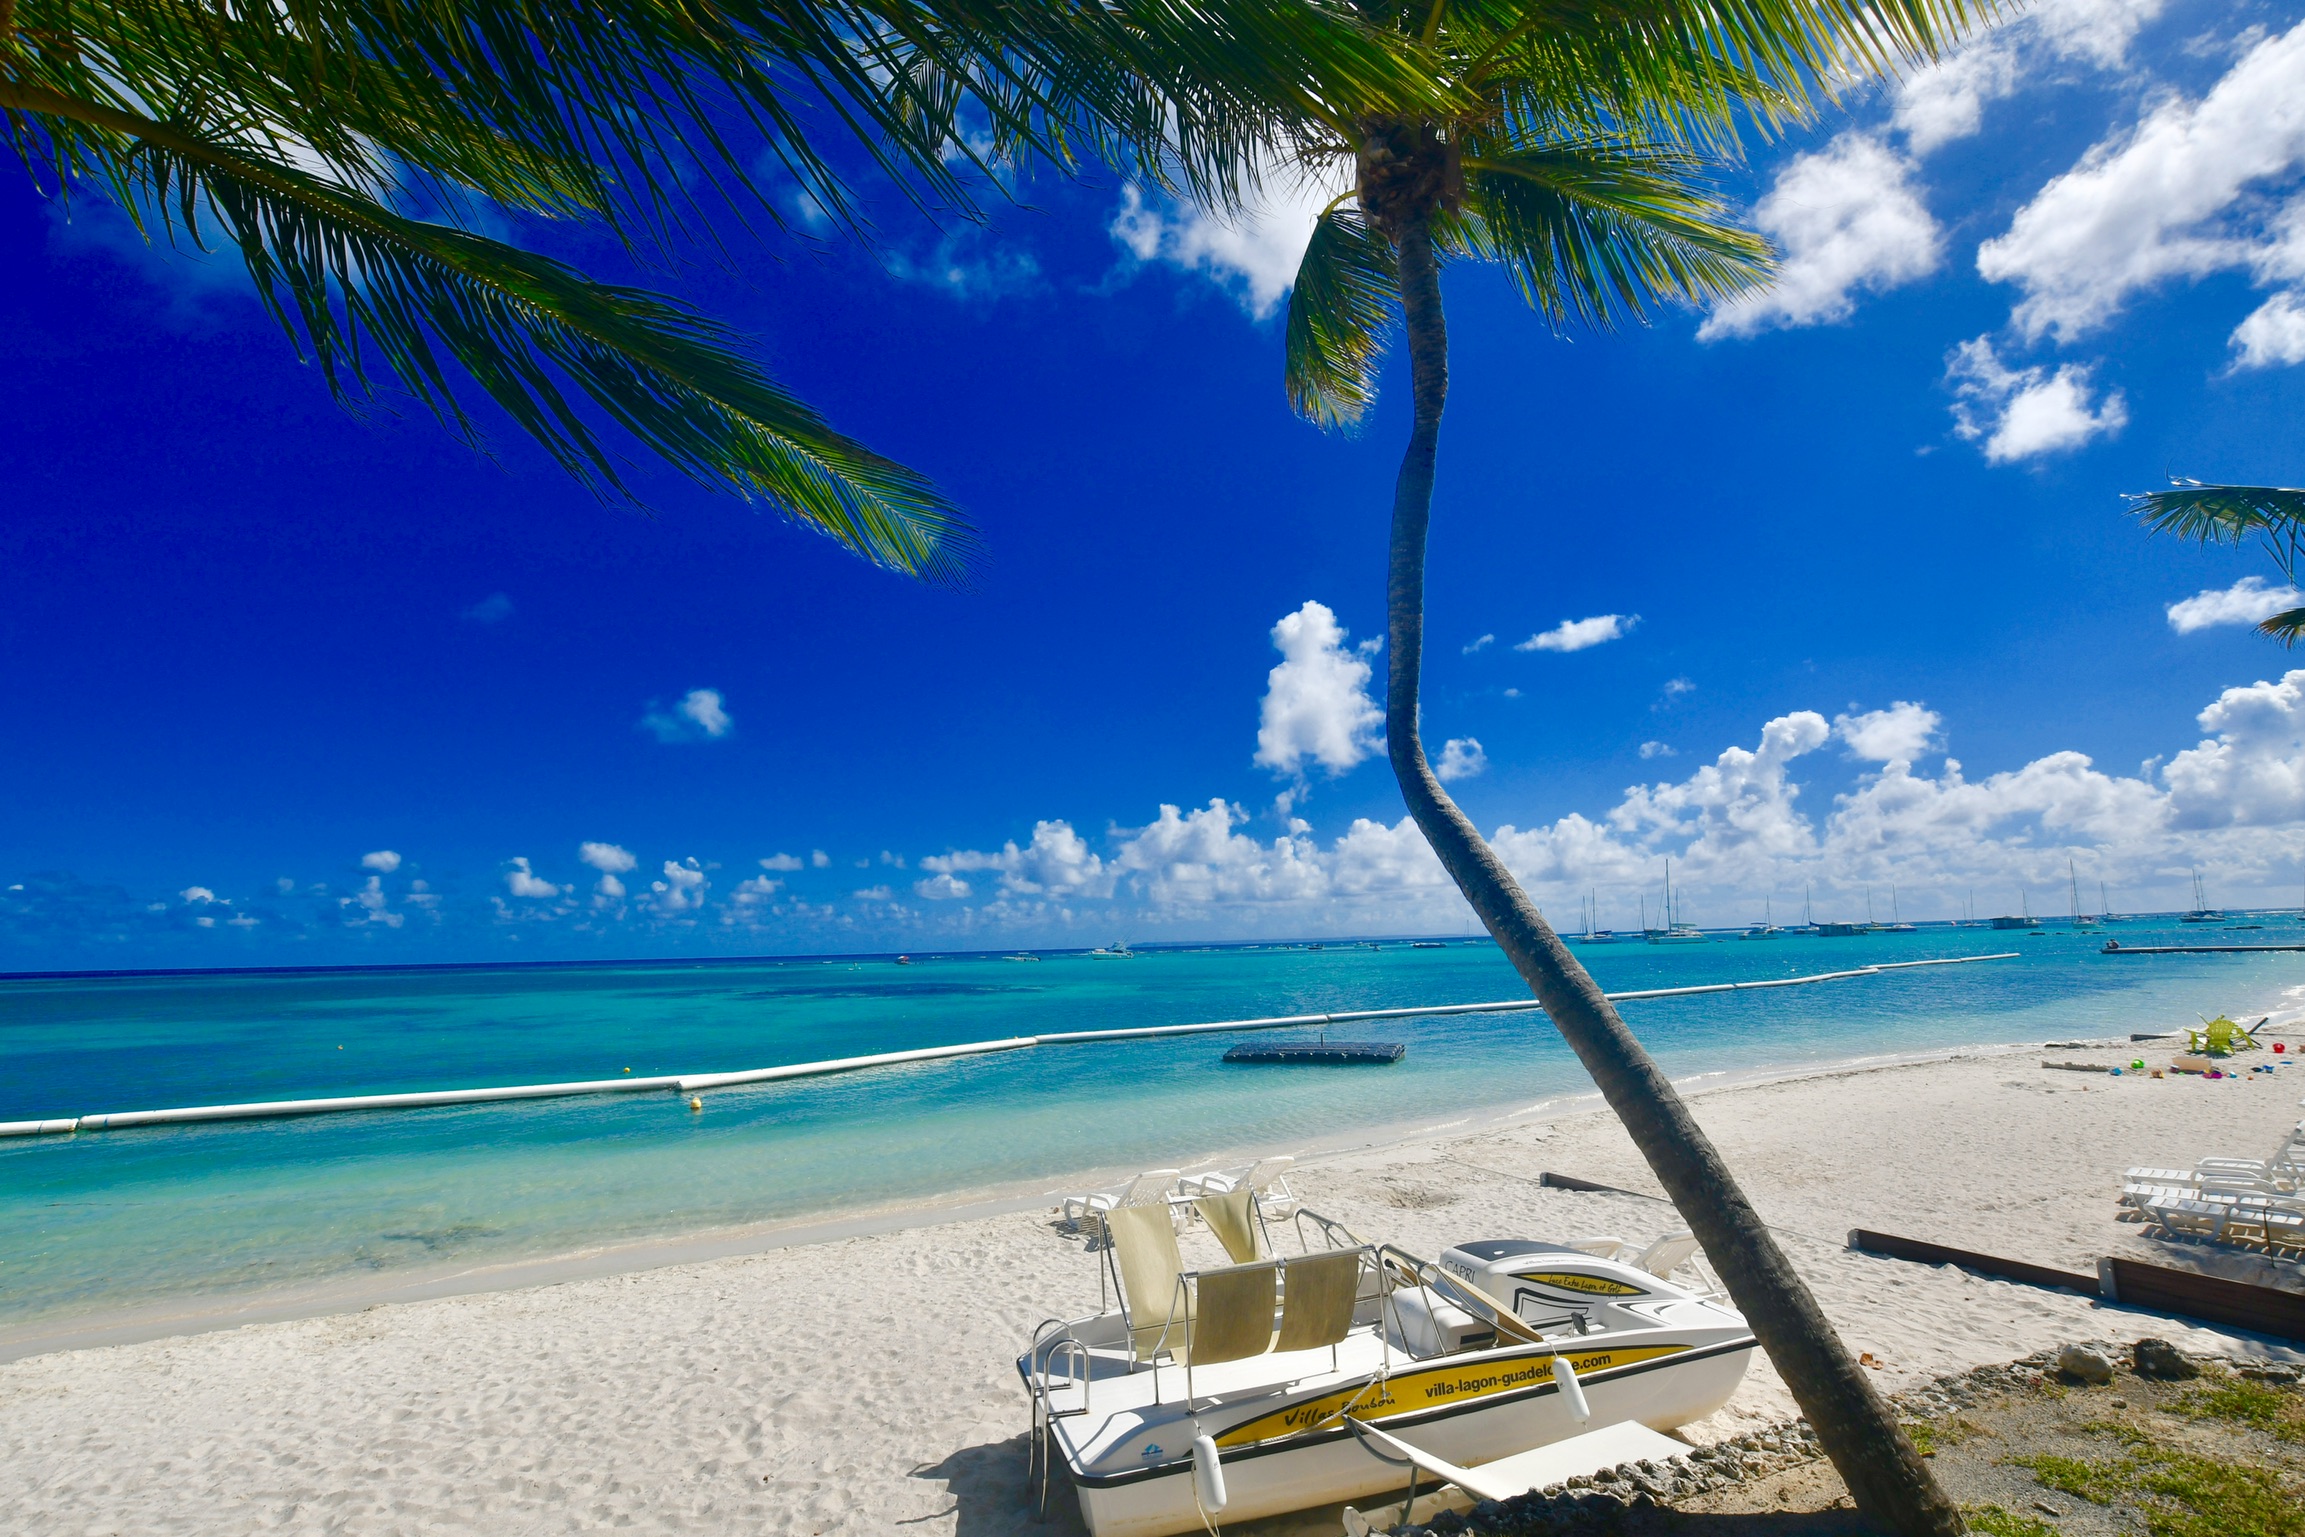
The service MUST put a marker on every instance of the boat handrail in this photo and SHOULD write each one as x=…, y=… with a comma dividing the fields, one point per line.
x=1041, y=1389
x=1330, y=1228
x=1426, y=1277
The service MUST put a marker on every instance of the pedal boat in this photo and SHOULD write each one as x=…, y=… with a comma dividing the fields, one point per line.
x=1455, y=1359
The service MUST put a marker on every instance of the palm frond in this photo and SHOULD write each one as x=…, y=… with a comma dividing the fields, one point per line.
x=2216, y=514
x=1601, y=230
x=2287, y=627
x=1346, y=292
x=348, y=275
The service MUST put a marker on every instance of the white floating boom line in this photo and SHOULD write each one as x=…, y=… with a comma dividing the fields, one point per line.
x=692, y=1082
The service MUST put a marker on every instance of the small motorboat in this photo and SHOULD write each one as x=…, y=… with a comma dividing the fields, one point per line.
x=1275, y=1383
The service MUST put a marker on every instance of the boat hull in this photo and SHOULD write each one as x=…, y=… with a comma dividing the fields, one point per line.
x=1442, y=1411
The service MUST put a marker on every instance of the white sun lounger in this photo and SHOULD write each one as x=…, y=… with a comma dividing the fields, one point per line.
x=1660, y=1258
x=1268, y=1177
x=1150, y=1186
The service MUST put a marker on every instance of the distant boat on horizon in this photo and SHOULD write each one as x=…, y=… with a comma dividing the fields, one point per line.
x=1675, y=932
x=2202, y=912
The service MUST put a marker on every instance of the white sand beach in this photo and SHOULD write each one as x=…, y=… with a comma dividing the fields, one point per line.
x=866, y=1384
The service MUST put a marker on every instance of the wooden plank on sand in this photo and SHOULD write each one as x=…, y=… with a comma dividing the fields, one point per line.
x=1984, y=1264
x=2266, y=1309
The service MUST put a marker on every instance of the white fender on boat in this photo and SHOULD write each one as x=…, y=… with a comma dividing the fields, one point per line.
x=1572, y=1391
x=1208, y=1475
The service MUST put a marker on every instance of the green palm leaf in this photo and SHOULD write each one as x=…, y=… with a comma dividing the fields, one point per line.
x=1601, y=230
x=349, y=275
x=1345, y=295
x=2214, y=514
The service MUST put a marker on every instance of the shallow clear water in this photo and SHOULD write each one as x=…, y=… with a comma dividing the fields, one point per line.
x=106, y=1221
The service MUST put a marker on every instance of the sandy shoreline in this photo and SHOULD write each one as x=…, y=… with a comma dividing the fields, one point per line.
x=206, y=1312
x=860, y=1376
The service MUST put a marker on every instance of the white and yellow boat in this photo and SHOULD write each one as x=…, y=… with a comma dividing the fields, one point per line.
x=1249, y=1389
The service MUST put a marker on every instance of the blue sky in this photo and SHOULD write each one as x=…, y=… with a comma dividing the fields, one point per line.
x=283, y=685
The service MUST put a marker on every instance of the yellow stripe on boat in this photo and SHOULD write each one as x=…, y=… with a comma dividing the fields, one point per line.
x=1591, y=1285
x=1432, y=1386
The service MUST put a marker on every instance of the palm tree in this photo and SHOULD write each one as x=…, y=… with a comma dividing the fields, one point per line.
x=2215, y=514
x=352, y=149
x=1576, y=160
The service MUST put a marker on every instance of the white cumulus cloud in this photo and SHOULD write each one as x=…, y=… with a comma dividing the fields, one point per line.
x=1461, y=758
x=2024, y=413
x=1900, y=734
x=523, y=881
x=1947, y=100
x=2179, y=196
x=611, y=861
x=1580, y=634
x=941, y=888
x=2247, y=601
x=2272, y=335
x=781, y=862
x=682, y=890
x=382, y=861
x=1316, y=706
x=1252, y=255
x=607, y=858
x=700, y=715
x=1845, y=220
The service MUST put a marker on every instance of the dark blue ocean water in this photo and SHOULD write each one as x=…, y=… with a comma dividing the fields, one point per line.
x=107, y=1221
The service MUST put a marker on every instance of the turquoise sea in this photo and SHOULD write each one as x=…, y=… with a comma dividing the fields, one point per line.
x=103, y=1223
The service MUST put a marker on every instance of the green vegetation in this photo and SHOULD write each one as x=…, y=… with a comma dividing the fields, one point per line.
x=2249, y=1403
x=2179, y=1494
x=1993, y=1521
x=1930, y=1437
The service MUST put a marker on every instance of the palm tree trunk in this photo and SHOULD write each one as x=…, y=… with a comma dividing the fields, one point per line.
x=1884, y=1474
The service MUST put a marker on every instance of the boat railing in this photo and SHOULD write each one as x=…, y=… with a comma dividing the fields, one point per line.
x=1333, y=1234
x=1413, y=1272
x=1051, y=1341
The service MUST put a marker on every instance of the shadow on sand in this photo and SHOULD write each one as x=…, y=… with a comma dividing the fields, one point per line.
x=990, y=1499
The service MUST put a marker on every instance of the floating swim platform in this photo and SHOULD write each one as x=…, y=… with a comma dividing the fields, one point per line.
x=1320, y=1053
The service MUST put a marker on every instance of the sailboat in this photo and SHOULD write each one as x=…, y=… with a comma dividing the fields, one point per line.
x=1675, y=932
x=2105, y=912
x=1896, y=924
x=2202, y=912
x=2081, y=920
x=1766, y=929
x=1594, y=935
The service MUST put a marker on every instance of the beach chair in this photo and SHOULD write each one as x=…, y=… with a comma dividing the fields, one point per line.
x=1237, y=1223
x=1600, y=1245
x=1666, y=1255
x=2220, y=1037
x=1151, y=1185
x=2190, y=1219
x=2137, y=1194
x=1268, y=1177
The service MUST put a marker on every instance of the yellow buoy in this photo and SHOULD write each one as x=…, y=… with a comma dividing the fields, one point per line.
x=695, y=1103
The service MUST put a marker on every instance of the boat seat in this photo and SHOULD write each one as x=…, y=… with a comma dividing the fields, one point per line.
x=1232, y=1215
x=1147, y=1264
x=1228, y=1315
x=1317, y=1307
